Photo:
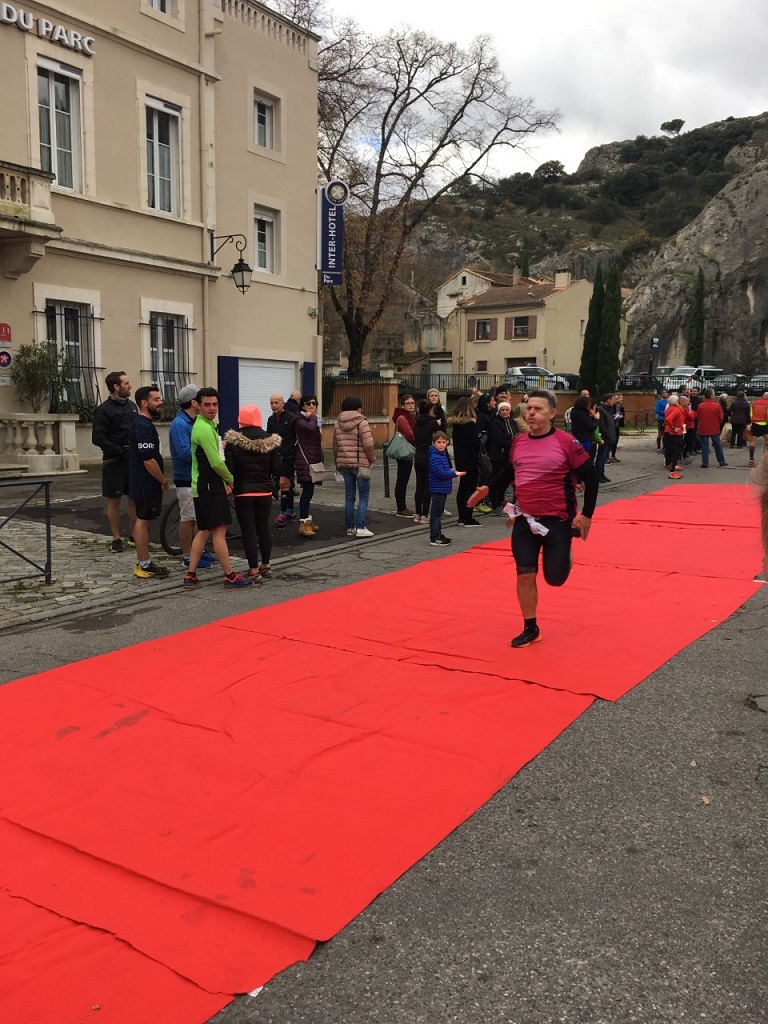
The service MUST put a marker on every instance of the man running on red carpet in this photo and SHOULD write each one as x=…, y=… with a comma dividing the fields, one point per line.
x=544, y=465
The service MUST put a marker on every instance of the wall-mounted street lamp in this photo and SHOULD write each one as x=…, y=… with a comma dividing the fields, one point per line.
x=241, y=272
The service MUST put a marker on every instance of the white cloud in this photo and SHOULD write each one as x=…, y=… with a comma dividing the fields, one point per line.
x=613, y=71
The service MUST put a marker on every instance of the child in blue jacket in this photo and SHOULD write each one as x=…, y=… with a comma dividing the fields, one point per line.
x=441, y=475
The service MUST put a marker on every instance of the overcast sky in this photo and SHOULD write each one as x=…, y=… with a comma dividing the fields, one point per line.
x=613, y=70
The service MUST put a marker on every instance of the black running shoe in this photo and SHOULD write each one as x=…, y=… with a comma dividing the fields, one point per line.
x=527, y=637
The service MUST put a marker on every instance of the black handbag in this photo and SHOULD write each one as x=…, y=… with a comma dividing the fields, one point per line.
x=484, y=467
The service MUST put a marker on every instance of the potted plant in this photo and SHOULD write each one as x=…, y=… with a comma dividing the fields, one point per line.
x=38, y=373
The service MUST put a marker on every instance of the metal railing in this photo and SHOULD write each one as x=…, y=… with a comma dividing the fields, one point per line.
x=41, y=570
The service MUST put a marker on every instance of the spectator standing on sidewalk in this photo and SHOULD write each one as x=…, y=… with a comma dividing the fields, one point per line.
x=674, y=432
x=466, y=455
x=354, y=455
x=608, y=434
x=404, y=417
x=441, y=474
x=741, y=414
x=180, y=441
x=146, y=478
x=659, y=409
x=309, y=451
x=253, y=457
x=282, y=422
x=710, y=417
x=211, y=488
x=111, y=428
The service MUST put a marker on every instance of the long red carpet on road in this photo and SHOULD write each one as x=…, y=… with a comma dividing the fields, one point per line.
x=182, y=819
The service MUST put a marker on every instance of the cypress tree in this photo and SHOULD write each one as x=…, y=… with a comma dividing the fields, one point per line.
x=589, y=354
x=610, y=334
x=694, y=348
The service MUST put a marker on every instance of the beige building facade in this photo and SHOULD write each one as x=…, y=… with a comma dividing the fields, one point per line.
x=499, y=321
x=137, y=136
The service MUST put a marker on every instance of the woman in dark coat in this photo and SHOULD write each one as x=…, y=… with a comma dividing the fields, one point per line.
x=584, y=419
x=404, y=417
x=503, y=429
x=466, y=450
x=741, y=413
x=309, y=449
x=253, y=458
x=433, y=397
x=423, y=429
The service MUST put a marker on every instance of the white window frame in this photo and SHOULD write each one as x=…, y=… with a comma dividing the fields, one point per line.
x=183, y=313
x=156, y=108
x=169, y=12
x=266, y=105
x=266, y=222
x=261, y=91
x=517, y=332
x=482, y=336
x=161, y=5
x=74, y=77
x=53, y=294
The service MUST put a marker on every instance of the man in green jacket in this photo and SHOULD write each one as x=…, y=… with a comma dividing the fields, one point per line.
x=211, y=488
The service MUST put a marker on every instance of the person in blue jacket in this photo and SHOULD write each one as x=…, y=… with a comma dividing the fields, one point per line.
x=441, y=474
x=660, y=408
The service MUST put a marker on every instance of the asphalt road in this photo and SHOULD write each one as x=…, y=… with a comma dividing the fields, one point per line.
x=619, y=877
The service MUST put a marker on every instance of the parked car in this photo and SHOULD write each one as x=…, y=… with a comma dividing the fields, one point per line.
x=757, y=385
x=684, y=371
x=638, y=382
x=676, y=381
x=728, y=383
x=534, y=377
x=709, y=372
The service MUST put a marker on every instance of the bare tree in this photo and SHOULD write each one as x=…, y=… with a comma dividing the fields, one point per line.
x=402, y=119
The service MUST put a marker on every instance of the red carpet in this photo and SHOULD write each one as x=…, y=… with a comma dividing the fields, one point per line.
x=182, y=820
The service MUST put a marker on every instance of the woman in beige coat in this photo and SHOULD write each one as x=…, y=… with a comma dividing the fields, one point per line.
x=354, y=455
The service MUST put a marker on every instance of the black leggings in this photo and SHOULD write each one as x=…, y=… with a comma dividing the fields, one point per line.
x=467, y=484
x=404, y=467
x=253, y=515
x=556, y=545
x=422, y=489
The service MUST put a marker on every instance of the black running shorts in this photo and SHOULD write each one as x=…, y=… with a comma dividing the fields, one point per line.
x=556, y=547
x=114, y=478
x=212, y=510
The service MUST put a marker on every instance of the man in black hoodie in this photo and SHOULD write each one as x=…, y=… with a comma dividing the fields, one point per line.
x=111, y=431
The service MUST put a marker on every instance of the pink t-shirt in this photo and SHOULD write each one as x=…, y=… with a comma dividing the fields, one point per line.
x=544, y=468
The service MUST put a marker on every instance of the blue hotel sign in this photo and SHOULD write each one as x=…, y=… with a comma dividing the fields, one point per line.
x=330, y=231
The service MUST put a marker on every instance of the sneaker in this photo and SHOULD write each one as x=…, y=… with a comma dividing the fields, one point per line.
x=351, y=531
x=675, y=476
x=474, y=522
x=152, y=571
x=405, y=513
x=117, y=546
x=290, y=515
x=254, y=576
x=363, y=531
x=447, y=513
x=527, y=637
x=446, y=539
x=281, y=520
x=417, y=520
x=603, y=479
x=206, y=560
x=751, y=462
x=614, y=459
x=131, y=542
x=483, y=507
x=237, y=581
x=499, y=513
x=265, y=572
x=686, y=461
x=440, y=542
x=190, y=581
x=678, y=468
x=721, y=464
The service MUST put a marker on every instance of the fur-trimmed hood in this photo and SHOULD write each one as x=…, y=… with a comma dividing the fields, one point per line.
x=253, y=439
x=453, y=420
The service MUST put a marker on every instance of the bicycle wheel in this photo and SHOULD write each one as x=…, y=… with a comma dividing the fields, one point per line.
x=169, y=528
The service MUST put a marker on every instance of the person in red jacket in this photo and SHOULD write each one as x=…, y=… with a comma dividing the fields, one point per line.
x=674, y=432
x=710, y=416
x=690, y=428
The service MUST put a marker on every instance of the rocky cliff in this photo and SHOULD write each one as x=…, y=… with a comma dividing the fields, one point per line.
x=729, y=241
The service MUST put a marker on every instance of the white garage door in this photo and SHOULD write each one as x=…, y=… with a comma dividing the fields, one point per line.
x=260, y=378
